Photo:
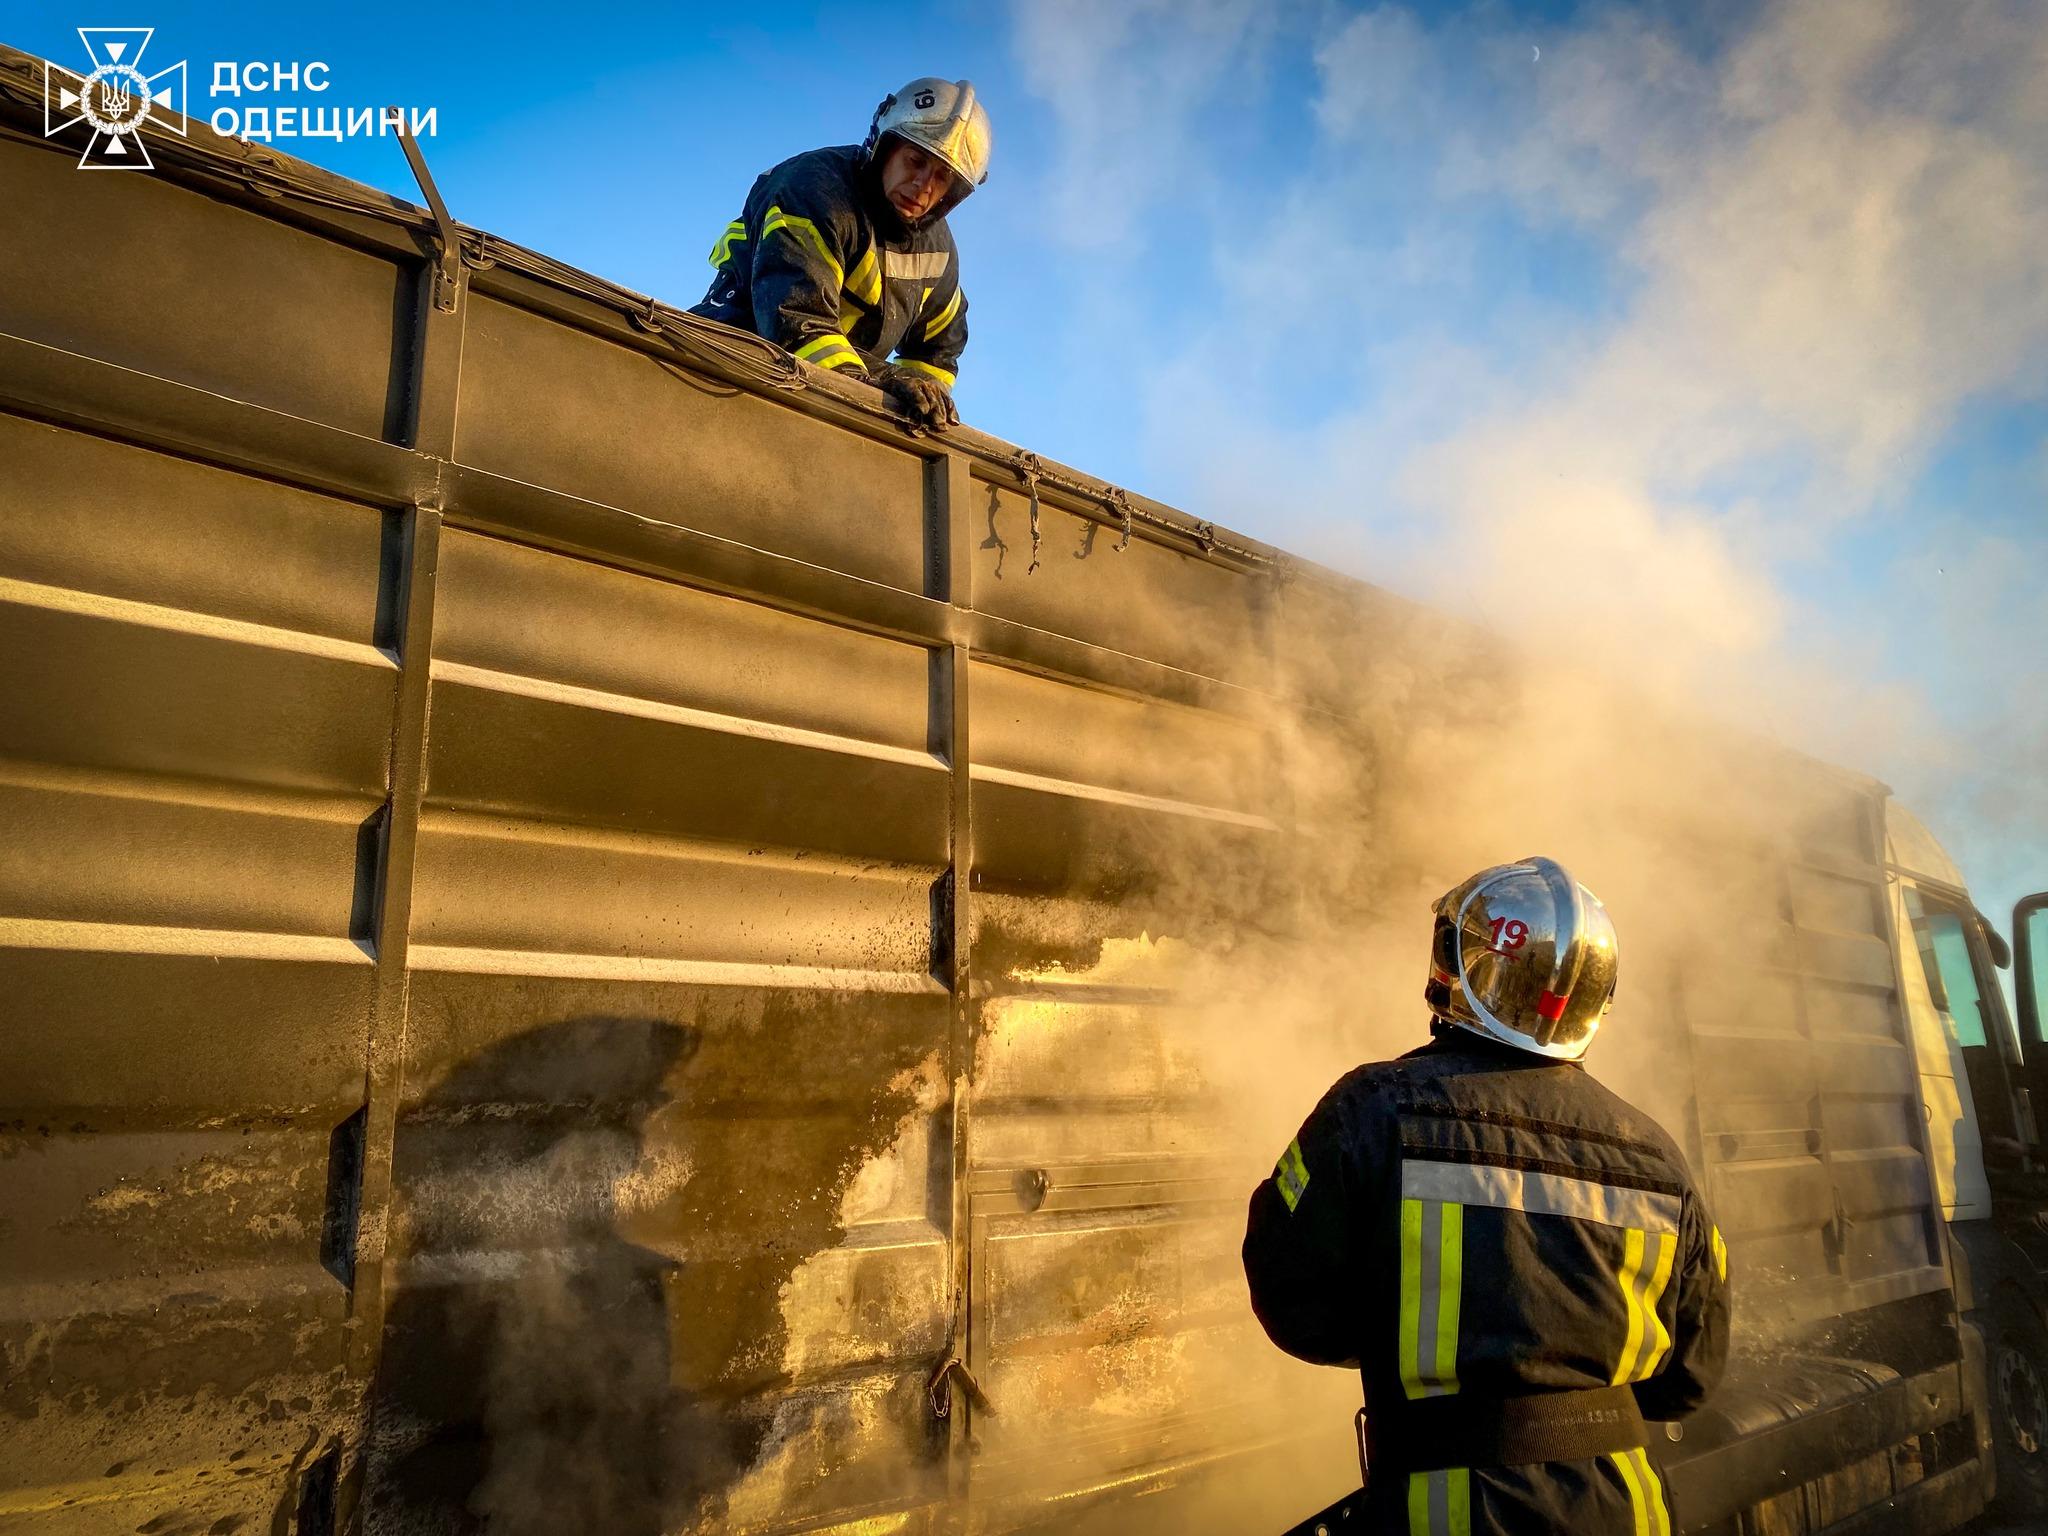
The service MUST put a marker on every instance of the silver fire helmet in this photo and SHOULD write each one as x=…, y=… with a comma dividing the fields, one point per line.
x=1525, y=955
x=943, y=118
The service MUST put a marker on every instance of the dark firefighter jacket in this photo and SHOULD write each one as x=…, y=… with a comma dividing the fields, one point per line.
x=819, y=262
x=1476, y=1220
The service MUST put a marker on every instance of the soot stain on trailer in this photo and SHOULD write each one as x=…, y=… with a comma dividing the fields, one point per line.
x=527, y=1328
x=601, y=1214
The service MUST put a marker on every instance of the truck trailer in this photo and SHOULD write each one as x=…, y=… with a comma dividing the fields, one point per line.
x=596, y=935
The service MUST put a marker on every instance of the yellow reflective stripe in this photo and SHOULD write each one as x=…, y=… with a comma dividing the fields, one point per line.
x=1440, y=1503
x=1645, y=1270
x=1411, y=1299
x=866, y=279
x=1461, y=1501
x=735, y=234
x=1418, y=1504
x=1653, y=1493
x=1625, y=1465
x=931, y=370
x=944, y=317
x=1290, y=1174
x=1653, y=1293
x=1720, y=1254
x=850, y=313
x=777, y=219
x=1450, y=1292
x=1432, y=1287
x=1632, y=1340
x=825, y=343
x=830, y=351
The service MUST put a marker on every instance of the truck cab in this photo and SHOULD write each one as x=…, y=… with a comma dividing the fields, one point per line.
x=1984, y=1084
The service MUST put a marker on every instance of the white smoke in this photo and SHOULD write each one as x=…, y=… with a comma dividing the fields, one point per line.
x=1795, y=246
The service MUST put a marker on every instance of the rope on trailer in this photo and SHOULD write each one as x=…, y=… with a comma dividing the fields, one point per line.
x=1029, y=468
x=1120, y=503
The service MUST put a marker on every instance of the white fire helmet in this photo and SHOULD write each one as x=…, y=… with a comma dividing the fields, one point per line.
x=1525, y=955
x=944, y=118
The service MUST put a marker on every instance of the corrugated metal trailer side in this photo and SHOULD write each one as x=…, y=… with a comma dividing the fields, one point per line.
x=595, y=915
x=488, y=956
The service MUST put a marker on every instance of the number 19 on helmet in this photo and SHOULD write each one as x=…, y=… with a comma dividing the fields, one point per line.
x=1525, y=955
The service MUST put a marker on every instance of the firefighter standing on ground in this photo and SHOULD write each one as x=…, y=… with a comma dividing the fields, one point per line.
x=842, y=255
x=1516, y=1260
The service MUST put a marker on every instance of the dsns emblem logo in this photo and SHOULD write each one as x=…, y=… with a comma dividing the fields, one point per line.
x=115, y=100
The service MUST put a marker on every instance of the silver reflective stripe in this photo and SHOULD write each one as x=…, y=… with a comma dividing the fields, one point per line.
x=917, y=264
x=1432, y=1299
x=1540, y=1194
x=1432, y=1294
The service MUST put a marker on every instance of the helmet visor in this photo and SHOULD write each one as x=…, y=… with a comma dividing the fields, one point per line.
x=1537, y=956
x=947, y=147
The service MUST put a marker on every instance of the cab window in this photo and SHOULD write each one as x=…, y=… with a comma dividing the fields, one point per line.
x=1955, y=981
x=1963, y=1006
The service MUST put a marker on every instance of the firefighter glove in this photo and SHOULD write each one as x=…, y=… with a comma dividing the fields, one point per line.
x=918, y=395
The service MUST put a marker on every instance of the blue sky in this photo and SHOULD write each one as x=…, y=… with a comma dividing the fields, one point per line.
x=1721, y=325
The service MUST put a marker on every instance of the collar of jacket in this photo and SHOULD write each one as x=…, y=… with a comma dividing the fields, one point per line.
x=1455, y=1040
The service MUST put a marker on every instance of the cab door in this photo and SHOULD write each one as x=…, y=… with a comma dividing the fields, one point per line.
x=1955, y=957
x=2030, y=989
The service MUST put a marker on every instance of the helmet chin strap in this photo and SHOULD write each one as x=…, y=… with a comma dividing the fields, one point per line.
x=873, y=141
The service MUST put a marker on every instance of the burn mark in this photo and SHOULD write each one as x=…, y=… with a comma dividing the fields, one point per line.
x=596, y=1219
x=994, y=540
x=307, y=1506
x=344, y=1197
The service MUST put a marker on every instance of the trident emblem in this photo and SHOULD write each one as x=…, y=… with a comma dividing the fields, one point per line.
x=115, y=100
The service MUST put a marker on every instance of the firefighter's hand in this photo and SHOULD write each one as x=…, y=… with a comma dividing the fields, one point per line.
x=919, y=396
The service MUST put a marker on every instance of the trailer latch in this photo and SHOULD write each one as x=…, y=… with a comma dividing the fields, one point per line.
x=940, y=1389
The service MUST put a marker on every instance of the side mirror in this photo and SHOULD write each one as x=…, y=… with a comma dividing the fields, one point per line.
x=2030, y=980
x=2001, y=952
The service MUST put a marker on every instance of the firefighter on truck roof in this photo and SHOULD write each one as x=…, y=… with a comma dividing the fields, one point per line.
x=842, y=255
x=1516, y=1260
